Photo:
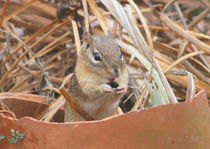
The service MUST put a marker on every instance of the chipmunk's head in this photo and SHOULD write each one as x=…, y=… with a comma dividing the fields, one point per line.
x=101, y=57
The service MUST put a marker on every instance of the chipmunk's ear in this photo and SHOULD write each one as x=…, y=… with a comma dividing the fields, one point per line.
x=87, y=39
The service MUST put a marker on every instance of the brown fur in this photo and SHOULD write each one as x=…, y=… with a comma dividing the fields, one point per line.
x=87, y=85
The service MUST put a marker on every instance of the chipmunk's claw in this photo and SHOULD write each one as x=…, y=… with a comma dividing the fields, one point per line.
x=120, y=90
x=108, y=88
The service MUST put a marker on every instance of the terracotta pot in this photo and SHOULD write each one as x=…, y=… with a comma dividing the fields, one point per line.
x=27, y=105
x=175, y=126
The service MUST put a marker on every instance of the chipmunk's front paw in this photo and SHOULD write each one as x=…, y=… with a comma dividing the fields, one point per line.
x=114, y=86
x=107, y=88
x=120, y=90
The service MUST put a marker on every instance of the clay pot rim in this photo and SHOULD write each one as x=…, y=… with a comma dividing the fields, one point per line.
x=24, y=96
x=43, y=99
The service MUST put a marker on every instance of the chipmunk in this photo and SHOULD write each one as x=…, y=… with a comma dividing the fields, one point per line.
x=100, y=78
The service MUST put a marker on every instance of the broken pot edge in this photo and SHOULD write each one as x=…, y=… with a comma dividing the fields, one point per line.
x=43, y=100
x=115, y=126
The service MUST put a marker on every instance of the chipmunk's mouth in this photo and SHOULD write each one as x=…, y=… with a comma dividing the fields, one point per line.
x=112, y=79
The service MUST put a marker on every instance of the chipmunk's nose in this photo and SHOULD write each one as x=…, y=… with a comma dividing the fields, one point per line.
x=115, y=74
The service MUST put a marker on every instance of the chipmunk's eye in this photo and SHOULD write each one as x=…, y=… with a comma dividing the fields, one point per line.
x=96, y=56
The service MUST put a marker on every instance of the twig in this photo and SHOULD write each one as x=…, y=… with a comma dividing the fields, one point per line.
x=140, y=99
x=5, y=109
x=184, y=58
x=148, y=35
x=180, y=15
x=3, y=52
x=40, y=31
x=99, y=15
x=44, y=72
x=185, y=34
x=3, y=12
x=18, y=10
x=196, y=72
x=74, y=104
x=71, y=101
x=85, y=8
x=185, y=42
x=51, y=110
x=76, y=36
x=190, y=87
x=5, y=47
x=199, y=18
